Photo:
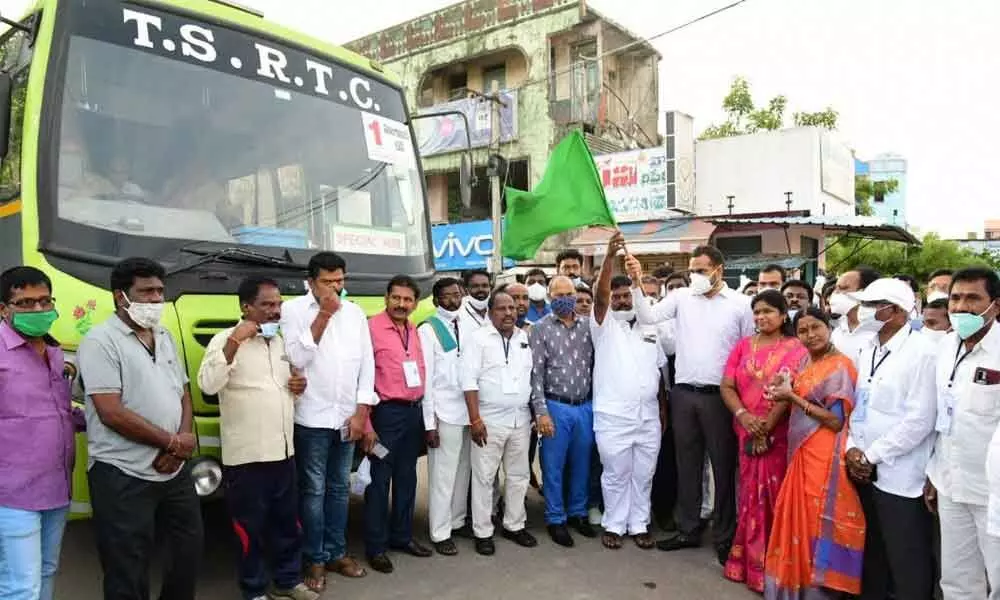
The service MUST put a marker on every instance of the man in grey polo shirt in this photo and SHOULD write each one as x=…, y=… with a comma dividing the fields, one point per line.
x=139, y=436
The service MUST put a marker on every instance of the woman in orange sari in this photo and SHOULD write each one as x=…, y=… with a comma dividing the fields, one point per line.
x=817, y=539
x=761, y=425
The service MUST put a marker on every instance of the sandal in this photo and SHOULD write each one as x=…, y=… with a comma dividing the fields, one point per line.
x=315, y=578
x=346, y=566
x=611, y=541
x=644, y=541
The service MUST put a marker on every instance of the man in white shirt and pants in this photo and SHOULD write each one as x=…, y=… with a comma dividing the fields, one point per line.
x=968, y=411
x=889, y=444
x=496, y=377
x=627, y=427
x=327, y=337
x=446, y=418
x=711, y=319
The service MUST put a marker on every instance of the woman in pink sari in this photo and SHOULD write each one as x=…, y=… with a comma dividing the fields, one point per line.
x=762, y=428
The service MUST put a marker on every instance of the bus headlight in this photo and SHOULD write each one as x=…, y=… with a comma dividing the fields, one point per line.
x=207, y=475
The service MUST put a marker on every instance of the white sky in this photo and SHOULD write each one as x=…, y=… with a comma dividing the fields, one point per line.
x=915, y=77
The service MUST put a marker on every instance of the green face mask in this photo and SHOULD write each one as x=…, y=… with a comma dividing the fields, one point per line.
x=33, y=324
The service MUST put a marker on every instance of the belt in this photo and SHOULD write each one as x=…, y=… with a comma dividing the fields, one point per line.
x=402, y=401
x=565, y=400
x=699, y=389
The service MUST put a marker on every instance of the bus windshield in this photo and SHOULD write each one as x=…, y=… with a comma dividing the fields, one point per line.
x=173, y=131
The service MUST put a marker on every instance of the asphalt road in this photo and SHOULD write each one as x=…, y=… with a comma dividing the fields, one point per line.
x=586, y=572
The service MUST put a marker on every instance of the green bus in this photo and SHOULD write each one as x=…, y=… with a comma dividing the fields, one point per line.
x=198, y=134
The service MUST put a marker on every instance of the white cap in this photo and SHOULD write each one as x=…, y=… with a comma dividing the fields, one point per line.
x=936, y=295
x=888, y=289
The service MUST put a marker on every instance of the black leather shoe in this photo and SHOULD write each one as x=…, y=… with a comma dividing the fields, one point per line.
x=381, y=563
x=485, y=546
x=582, y=526
x=722, y=553
x=560, y=535
x=678, y=542
x=521, y=538
x=414, y=549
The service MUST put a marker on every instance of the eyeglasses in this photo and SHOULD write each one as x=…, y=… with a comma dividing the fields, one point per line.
x=28, y=303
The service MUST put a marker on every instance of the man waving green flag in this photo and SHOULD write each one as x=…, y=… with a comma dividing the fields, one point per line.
x=569, y=195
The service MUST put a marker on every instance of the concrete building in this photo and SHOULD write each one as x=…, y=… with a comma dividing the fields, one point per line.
x=891, y=207
x=537, y=50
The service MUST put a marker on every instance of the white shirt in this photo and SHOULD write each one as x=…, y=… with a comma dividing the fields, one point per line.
x=958, y=466
x=851, y=343
x=895, y=428
x=993, y=480
x=627, y=362
x=707, y=329
x=501, y=372
x=444, y=399
x=469, y=320
x=340, y=369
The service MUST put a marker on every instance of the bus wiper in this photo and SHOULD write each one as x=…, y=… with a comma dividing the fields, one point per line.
x=234, y=254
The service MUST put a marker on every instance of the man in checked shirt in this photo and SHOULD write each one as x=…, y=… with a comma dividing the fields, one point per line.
x=561, y=397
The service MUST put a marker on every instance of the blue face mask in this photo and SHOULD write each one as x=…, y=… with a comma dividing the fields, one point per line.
x=269, y=330
x=564, y=306
x=967, y=325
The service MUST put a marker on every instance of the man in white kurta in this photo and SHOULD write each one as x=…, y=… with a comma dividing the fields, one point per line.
x=446, y=419
x=627, y=362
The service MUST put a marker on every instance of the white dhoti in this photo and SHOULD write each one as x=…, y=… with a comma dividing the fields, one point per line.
x=449, y=473
x=628, y=452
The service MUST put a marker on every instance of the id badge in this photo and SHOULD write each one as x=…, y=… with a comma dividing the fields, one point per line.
x=412, y=373
x=945, y=412
x=861, y=397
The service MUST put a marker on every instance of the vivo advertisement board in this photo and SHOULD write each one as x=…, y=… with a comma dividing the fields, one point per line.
x=463, y=246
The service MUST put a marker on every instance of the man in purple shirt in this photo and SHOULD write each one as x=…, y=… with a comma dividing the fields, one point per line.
x=36, y=413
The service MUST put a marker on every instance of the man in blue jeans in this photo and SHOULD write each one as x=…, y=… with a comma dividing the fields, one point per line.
x=35, y=413
x=326, y=336
x=561, y=397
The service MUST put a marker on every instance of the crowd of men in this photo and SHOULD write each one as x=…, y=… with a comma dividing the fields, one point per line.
x=619, y=376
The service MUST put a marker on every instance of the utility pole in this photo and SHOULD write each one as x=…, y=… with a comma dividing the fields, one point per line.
x=731, y=205
x=496, y=260
x=788, y=202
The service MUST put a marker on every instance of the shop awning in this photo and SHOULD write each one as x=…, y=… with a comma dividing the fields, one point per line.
x=865, y=227
x=669, y=236
x=759, y=261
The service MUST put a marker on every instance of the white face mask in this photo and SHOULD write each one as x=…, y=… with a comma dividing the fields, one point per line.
x=700, y=284
x=269, y=330
x=447, y=315
x=145, y=314
x=536, y=292
x=867, y=318
x=934, y=335
x=623, y=315
x=479, y=305
x=841, y=303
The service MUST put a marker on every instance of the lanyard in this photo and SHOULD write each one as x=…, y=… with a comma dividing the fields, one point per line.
x=404, y=337
x=958, y=362
x=875, y=366
x=474, y=316
x=506, y=347
x=458, y=340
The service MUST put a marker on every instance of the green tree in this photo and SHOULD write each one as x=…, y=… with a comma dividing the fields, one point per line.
x=891, y=258
x=743, y=117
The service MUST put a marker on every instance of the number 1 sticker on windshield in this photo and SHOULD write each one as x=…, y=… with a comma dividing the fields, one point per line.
x=388, y=141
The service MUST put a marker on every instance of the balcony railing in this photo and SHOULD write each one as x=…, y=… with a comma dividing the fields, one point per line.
x=575, y=97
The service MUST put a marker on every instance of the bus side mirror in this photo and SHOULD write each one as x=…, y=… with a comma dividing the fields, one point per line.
x=5, y=106
x=465, y=181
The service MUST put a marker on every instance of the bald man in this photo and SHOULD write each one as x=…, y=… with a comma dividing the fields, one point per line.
x=563, y=355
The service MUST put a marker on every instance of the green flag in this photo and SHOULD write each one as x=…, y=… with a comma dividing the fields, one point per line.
x=569, y=195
